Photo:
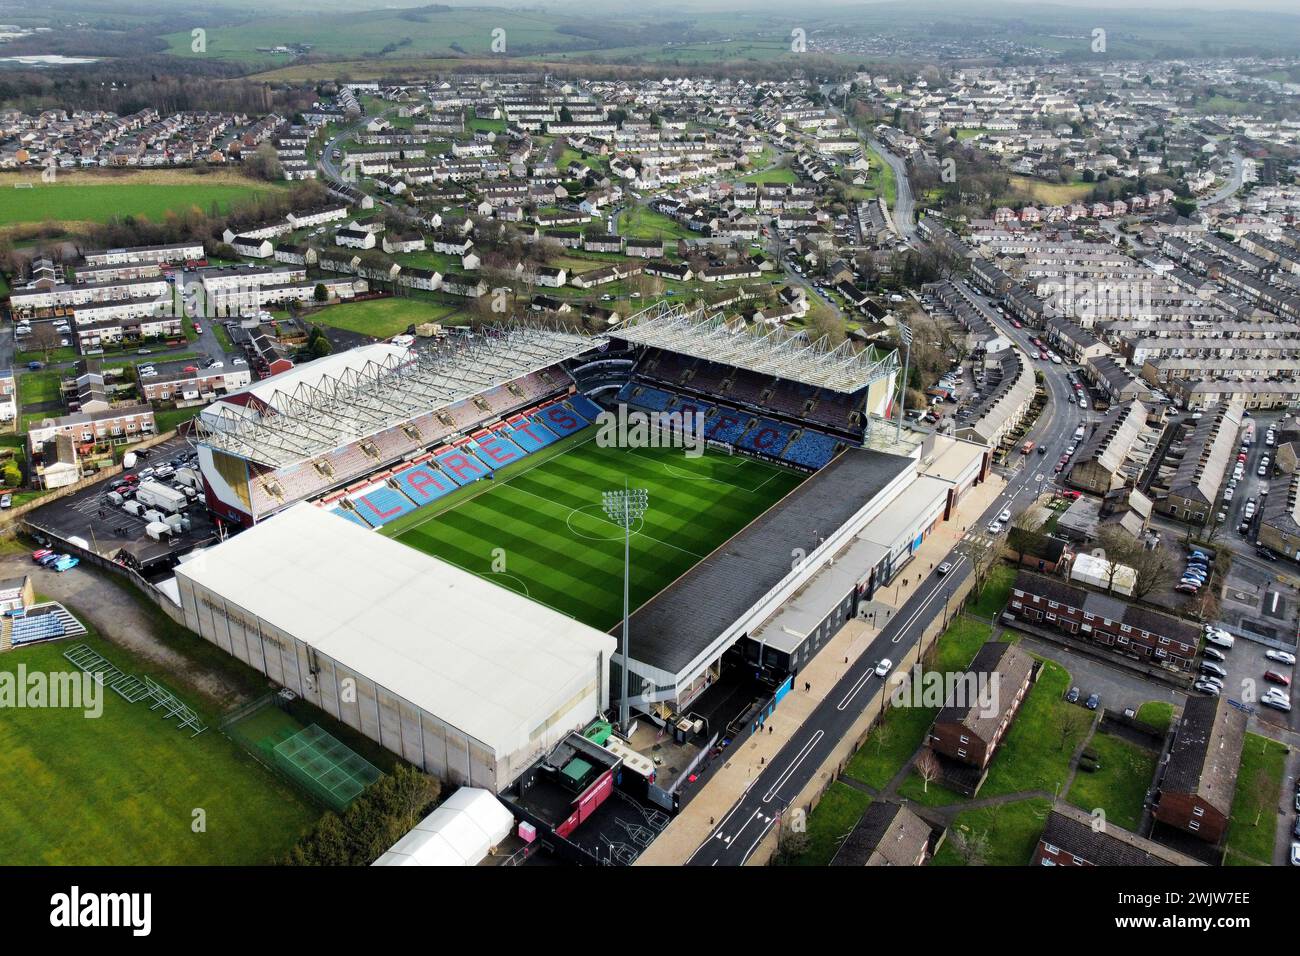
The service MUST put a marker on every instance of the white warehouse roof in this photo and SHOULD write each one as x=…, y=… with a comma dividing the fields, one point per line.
x=480, y=657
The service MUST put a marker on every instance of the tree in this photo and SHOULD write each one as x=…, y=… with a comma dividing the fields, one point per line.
x=1073, y=720
x=12, y=474
x=44, y=339
x=927, y=768
x=321, y=294
x=972, y=846
x=1153, y=569
x=1117, y=543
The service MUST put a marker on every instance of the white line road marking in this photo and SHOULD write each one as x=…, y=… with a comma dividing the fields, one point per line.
x=794, y=765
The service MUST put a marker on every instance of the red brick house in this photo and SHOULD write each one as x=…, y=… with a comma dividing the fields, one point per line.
x=1128, y=629
x=1200, y=777
x=1071, y=839
x=969, y=732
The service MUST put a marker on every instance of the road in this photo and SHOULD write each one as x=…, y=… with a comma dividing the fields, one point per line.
x=738, y=834
x=1233, y=184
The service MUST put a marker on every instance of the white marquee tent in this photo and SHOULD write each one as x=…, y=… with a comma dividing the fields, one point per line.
x=461, y=832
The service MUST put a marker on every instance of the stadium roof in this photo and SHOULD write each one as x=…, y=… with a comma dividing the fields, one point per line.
x=486, y=660
x=676, y=626
x=325, y=404
x=777, y=352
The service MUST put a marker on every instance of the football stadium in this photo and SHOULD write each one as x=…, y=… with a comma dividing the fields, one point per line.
x=424, y=554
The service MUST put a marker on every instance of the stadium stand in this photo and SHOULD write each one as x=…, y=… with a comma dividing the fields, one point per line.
x=584, y=407
x=495, y=450
x=461, y=465
x=36, y=627
x=530, y=434
x=423, y=483
x=351, y=516
x=766, y=437
x=380, y=504
x=811, y=449
x=560, y=419
x=727, y=426
x=644, y=396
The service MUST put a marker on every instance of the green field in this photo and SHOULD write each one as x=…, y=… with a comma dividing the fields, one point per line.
x=89, y=199
x=123, y=788
x=544, y=513
x=382, y=318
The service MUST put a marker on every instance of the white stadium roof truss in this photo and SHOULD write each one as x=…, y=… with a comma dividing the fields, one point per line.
x=777, y=352
x=314, y=418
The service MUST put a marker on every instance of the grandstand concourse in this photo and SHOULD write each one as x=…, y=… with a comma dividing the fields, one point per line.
x=466, y=679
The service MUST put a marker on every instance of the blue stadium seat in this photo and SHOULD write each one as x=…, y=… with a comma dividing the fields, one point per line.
x=766, y=436
x=561, y=420
x=423, y=484
x=37, y=627
x=530, y=435
x=461, y=465
x=497, y=450
x=584, y=407
x=811, y=448
x=382, y=504
x=350, y=515
x=653, y=399
x=727, y=426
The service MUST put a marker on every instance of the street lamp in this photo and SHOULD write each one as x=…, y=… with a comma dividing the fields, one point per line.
x=624, y=508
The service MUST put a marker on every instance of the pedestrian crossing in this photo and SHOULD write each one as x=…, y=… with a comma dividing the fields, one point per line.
x=984, y=540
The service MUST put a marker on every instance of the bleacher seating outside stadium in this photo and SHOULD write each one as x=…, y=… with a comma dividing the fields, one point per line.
x=811, y=448
x=36, y=627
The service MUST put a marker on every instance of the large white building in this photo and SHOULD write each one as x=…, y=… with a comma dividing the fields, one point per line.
x=457, y=674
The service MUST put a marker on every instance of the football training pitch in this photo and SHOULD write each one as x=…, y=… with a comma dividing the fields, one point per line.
x=539, y=528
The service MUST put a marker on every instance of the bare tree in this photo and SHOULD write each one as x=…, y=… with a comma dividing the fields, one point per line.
x=1072, y=724
x=927, y=768
x=1153, y=569
x=44, y=339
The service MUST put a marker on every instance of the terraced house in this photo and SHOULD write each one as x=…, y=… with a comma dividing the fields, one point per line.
x=1196, y=482
x=1128, y=629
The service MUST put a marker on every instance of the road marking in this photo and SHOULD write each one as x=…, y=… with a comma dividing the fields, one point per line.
x=794, y=765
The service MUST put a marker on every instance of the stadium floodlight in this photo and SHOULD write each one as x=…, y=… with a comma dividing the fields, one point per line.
x=625, y=508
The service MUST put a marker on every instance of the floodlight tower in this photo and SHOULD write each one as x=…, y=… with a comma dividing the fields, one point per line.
x=624, y=508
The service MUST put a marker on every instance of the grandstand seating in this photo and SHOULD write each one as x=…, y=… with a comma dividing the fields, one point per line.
x=767, y=436
x=811, y=448
x=560, y=419
x=708, y=378
x=747, y=388
x=36, y=627
x=529, y=434
x=379, y=504
x=727, y=426
x=461, y=465
x=584, y=407
x=423, y=483
x=496, y=450
x=643, y=396
x=350, y=515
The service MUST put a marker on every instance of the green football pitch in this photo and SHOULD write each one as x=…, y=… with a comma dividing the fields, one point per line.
x=539, y=528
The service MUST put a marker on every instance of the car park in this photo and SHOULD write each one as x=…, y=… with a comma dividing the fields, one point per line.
x=1218, y=637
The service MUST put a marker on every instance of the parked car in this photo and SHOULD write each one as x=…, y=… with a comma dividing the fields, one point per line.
x=1214, y=654
x=1277, y=677
x=1093, y=701
x=1295, y=854
x=65, y=563
x=1209, y=667
x=40, y=553
x=1282, y=657
x=1205, y=687
x=1073, y=696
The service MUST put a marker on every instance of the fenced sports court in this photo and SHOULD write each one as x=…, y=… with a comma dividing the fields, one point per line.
x=325, y=766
